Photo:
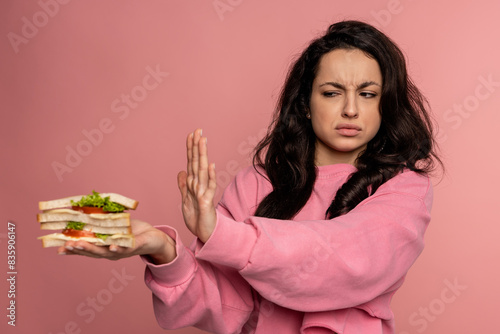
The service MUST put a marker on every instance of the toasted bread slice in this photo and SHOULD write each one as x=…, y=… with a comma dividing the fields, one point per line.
x=92, y=228
x=66, y=202
x=59, y=239
x=96, y=219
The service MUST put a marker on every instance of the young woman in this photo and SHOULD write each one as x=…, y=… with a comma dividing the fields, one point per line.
x=319, y=234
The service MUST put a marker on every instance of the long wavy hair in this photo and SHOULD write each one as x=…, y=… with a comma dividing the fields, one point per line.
x=404, y=140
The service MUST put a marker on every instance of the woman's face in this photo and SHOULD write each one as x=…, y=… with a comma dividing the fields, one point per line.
x=344, y=107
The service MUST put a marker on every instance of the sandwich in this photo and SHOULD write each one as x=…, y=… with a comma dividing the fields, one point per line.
x=96, y=218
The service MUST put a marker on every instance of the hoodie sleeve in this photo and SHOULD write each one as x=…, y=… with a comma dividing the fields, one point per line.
x=318, y=265
x=191, y=292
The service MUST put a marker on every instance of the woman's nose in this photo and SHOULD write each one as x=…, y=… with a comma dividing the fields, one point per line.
x=350, y=109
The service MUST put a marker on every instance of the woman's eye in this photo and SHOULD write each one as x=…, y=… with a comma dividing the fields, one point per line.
x=330, y=94
x=368, y=94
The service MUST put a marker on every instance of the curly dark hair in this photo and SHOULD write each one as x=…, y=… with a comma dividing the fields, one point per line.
x=404, y=140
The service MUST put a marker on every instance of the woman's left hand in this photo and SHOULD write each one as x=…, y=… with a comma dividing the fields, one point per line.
x=148, y=241
x=197, y=186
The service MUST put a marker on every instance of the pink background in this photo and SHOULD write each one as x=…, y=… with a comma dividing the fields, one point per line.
x=67, y=74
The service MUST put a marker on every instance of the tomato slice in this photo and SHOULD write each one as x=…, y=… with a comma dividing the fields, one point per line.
x=88, y=209
x=77, y=233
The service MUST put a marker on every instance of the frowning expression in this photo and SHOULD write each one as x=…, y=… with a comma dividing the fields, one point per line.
x=344, y=107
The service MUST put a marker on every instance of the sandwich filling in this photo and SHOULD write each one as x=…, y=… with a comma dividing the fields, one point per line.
x=92, y=203
x=75, y=230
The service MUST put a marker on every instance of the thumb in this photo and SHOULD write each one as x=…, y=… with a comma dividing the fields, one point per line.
x=181, y=183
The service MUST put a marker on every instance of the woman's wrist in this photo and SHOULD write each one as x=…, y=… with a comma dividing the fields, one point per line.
x=166, y=252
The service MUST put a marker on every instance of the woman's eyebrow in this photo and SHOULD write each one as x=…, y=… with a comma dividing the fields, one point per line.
x=341, y=86
x=369, y=83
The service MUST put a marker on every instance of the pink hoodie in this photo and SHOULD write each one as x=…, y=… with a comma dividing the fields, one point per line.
x=306, y=275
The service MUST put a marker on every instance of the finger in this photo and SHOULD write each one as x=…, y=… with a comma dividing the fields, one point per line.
x=212, y=181
x=181, y=183
x=203, y=166
x=72, y=248
x=116, y=249
x=62, y=250
x=195, y=157
x=113, y=253
x=90, y=250
x=67, y=248
x=189, y=151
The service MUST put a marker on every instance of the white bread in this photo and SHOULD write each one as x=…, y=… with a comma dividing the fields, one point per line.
x=96, y=219
x=96, y=229
x=66, y=202
x=59, y=239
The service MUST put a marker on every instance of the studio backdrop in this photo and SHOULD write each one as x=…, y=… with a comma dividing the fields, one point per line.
x=100, y=95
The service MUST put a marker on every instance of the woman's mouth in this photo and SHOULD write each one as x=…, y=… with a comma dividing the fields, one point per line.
x=348, y=130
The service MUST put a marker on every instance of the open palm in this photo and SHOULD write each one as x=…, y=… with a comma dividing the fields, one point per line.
x=197, y=186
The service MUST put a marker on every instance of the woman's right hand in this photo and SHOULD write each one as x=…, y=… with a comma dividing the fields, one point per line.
x=148, y=241
x=197, y=186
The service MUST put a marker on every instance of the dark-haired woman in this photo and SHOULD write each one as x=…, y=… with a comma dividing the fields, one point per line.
x=319, y=234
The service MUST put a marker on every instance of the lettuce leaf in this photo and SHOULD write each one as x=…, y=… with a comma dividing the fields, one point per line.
x=97, y=201
x=102, y=236
x=75, y=226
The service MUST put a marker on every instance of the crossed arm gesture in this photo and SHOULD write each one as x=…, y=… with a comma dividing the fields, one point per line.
x=197, y=186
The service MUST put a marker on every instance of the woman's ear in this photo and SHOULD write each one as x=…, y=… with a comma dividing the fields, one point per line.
x=308, y=112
